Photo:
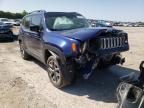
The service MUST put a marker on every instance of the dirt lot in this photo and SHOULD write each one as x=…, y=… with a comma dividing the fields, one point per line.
x=25, y=84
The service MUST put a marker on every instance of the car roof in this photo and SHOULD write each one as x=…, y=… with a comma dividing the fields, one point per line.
x=53, y=13
x=61, y=13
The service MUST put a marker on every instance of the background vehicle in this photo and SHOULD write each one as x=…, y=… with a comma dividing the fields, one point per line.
x=5, y=21
x=14, y=23
x=100, y=23
x=9, y=21
x=5, y=31
x=130, y=92
x=64, y=42
x=103, y=23
x=18, y=21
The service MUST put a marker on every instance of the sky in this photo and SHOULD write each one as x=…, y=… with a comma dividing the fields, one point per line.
x=116, y=10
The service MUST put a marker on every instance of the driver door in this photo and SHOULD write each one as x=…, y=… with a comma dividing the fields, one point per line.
x=36, y=38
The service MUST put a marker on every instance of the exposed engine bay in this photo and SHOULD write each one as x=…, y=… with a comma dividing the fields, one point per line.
x=130, y=92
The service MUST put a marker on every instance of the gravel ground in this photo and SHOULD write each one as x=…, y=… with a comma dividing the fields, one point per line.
x=25, y=84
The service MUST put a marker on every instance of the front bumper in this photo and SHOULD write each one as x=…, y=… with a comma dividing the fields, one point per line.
x=101, y=52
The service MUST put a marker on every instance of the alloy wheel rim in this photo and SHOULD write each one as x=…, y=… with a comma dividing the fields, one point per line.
x=54, y=71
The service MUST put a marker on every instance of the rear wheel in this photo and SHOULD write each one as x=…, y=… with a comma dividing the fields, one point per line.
x=55, y=72
x=24, y=54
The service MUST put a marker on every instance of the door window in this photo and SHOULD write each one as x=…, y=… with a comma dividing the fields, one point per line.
x=36, y=20
x=26, y=22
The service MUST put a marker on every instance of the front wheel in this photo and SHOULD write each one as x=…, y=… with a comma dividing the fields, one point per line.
x=55, y=72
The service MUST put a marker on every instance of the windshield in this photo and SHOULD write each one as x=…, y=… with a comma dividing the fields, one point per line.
x=66, y=22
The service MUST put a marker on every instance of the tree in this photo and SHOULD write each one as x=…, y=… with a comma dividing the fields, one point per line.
x=24, y=13
x=12, y=15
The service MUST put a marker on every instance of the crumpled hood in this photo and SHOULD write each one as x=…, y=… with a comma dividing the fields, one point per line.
x=86, y=33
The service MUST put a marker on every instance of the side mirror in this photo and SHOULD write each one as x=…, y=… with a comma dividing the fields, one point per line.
x=35, y=28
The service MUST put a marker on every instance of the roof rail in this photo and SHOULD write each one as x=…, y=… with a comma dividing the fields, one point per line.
x=40, y=11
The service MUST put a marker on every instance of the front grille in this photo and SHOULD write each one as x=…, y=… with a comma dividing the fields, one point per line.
x=112, y=42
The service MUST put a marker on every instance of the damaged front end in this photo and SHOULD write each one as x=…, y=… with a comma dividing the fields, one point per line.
x=102, y=51
x=130, y=92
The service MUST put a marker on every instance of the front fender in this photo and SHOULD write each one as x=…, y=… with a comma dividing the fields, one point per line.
x=55, y=51
x=64, y=44
x=61, y=58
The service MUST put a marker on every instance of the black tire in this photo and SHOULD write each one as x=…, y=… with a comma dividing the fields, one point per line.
x=55, y=72
x=24, y=54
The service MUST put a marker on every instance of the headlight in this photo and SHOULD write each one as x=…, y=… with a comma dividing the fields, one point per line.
x=126, y=40
x=83, y=47
x=125, y=35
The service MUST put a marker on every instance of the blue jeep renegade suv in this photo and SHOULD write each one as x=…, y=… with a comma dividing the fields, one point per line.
x=65, y=42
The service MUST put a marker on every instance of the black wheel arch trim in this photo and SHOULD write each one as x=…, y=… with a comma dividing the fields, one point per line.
x=54, y=51
x=57, y=52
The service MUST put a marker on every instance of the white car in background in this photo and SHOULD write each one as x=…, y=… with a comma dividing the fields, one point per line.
x=5, y=20
x=9, y=21
x=14, y=23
